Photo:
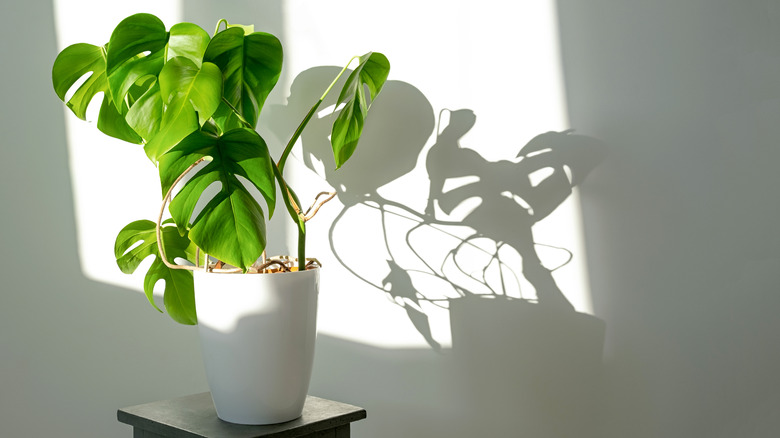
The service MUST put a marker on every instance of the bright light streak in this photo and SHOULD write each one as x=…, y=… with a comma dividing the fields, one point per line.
x=499, y=59
x=113, y=182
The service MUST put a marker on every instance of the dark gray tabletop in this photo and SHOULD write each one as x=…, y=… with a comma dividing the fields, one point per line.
x=194, y=416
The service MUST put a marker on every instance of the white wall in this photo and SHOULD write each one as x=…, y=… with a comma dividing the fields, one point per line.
x=72, y=351
x=681, y=252
x=681, y=220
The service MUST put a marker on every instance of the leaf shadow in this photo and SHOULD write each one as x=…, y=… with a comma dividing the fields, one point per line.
x=460, y=240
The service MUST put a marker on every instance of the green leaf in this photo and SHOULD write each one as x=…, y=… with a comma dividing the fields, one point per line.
x=136, y=49
x=73, y=63
x=145, y=114
x=138, y=52
x=188, y=40
x=190, y=95
x=179, y=295
x=113, y=124
x=251, y=65
x=231, y=226
x=248, y=29
x=136, y=242
x=371, y=73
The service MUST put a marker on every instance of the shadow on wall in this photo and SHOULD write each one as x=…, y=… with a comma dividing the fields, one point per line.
x=522, y=358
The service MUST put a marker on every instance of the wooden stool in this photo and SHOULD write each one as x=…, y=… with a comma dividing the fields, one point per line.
x=194, y=416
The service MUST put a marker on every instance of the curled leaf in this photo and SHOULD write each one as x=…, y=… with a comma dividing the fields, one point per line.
x=370, y=74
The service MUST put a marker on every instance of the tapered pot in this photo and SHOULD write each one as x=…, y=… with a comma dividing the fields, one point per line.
x=257, y=336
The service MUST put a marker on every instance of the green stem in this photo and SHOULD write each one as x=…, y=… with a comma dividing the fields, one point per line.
x=296, y=135
x=292, y=203
x=219, y=23
x=289, y=196
x=279, y=168
x=302, y=247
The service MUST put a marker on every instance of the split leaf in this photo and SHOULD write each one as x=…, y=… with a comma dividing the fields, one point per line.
x=80, y=60
x=136, y=242
x=189, y=93
x=231, y=227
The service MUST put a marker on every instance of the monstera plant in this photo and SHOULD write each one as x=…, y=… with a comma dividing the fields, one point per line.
x=192, y=102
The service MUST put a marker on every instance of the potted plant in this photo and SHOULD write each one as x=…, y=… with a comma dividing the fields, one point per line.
x=193, y=102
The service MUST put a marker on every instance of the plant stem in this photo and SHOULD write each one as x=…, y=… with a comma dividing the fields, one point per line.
x=302, y=247
x=158, y=226
x=293, y=206
x=219, y=23
x=283, y=160
x=296, y=135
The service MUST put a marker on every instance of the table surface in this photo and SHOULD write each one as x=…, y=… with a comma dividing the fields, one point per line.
x=194, y=416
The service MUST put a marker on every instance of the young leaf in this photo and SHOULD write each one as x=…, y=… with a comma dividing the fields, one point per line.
x=252, y=65
x=188, y=40
x=189, y=92
x=137, y=241
x=231, y=226
x=371, y=73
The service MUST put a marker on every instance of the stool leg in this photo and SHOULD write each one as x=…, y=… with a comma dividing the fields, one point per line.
x=336, y=432
x=140, y=433
x=342, y=431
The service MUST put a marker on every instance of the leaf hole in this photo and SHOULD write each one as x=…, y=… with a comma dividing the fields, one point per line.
x=76, y=85
x=250, y=187
x=192, y=173
x=367, y=94
x=205, y=197
x=181, y=261
x=133, y=246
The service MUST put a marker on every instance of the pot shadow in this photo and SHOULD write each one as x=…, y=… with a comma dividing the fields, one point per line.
x=523, y=360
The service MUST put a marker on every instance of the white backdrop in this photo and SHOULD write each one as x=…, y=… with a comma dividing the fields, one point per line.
x=679, y=222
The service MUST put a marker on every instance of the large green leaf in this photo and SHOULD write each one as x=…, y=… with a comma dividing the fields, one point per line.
x=136, y=242
x=371, y=73
x=73, y=63
x=189, y=93
x=251, y=65
x=138, y=52
x=231, y=226
x=136, y=49
x=146, y=112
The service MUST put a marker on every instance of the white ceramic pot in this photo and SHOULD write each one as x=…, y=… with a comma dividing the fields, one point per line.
x=257, y=334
